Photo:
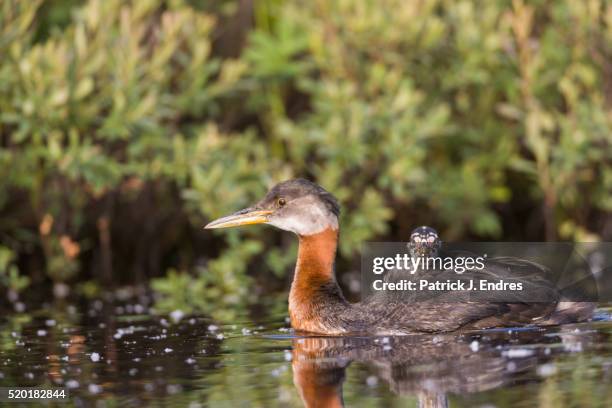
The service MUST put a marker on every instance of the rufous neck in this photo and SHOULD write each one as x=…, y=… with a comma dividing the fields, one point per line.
x=316, y=255
x=314, y=291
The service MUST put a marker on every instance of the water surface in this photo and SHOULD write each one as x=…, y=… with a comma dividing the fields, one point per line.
x=118, y=354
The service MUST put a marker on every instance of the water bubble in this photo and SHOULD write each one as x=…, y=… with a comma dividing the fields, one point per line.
x=546, y=370
x=177, y=315
x=517, y=353
x=72, y=384
x=168, y=350
x=278, y=371
x=474, y=346
x=50, y=323
x=572, y=347
x=94, y=388
x=190, y=360
x=213, y=328
x=173, y=388
x=95, y=357
x=41, y=333
x=372, y=381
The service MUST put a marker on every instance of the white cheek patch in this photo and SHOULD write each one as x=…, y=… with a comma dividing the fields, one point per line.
x=314, y=218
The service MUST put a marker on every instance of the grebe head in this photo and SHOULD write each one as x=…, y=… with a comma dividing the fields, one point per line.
x=299, y=206
x=424, y=241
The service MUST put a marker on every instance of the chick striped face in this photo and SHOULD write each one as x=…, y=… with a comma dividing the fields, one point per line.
x=424, y=242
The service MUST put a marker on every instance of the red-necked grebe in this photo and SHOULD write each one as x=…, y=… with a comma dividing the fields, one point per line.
x=316, y=303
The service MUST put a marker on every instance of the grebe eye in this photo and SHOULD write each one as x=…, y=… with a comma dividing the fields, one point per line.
x=281, y=202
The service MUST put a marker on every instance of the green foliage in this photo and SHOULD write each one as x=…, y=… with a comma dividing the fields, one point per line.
x=486, y=120
x=9, y=273
x=440, y=103
x=219, y=289
x=102, y=102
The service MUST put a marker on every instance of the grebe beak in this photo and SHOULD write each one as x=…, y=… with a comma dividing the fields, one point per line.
x=247, y=216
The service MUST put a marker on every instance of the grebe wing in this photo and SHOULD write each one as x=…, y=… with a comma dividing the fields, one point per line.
x=433, y=316
x=443, y=312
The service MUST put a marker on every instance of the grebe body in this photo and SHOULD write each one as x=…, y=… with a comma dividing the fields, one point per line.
x=316, y=303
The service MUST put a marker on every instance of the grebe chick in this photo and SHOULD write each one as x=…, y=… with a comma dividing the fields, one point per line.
x=424, y=242
x=316, y=303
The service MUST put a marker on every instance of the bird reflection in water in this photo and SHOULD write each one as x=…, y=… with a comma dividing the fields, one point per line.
x=425, y=366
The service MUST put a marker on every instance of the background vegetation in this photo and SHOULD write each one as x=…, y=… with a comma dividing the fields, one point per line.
x=126, y=126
